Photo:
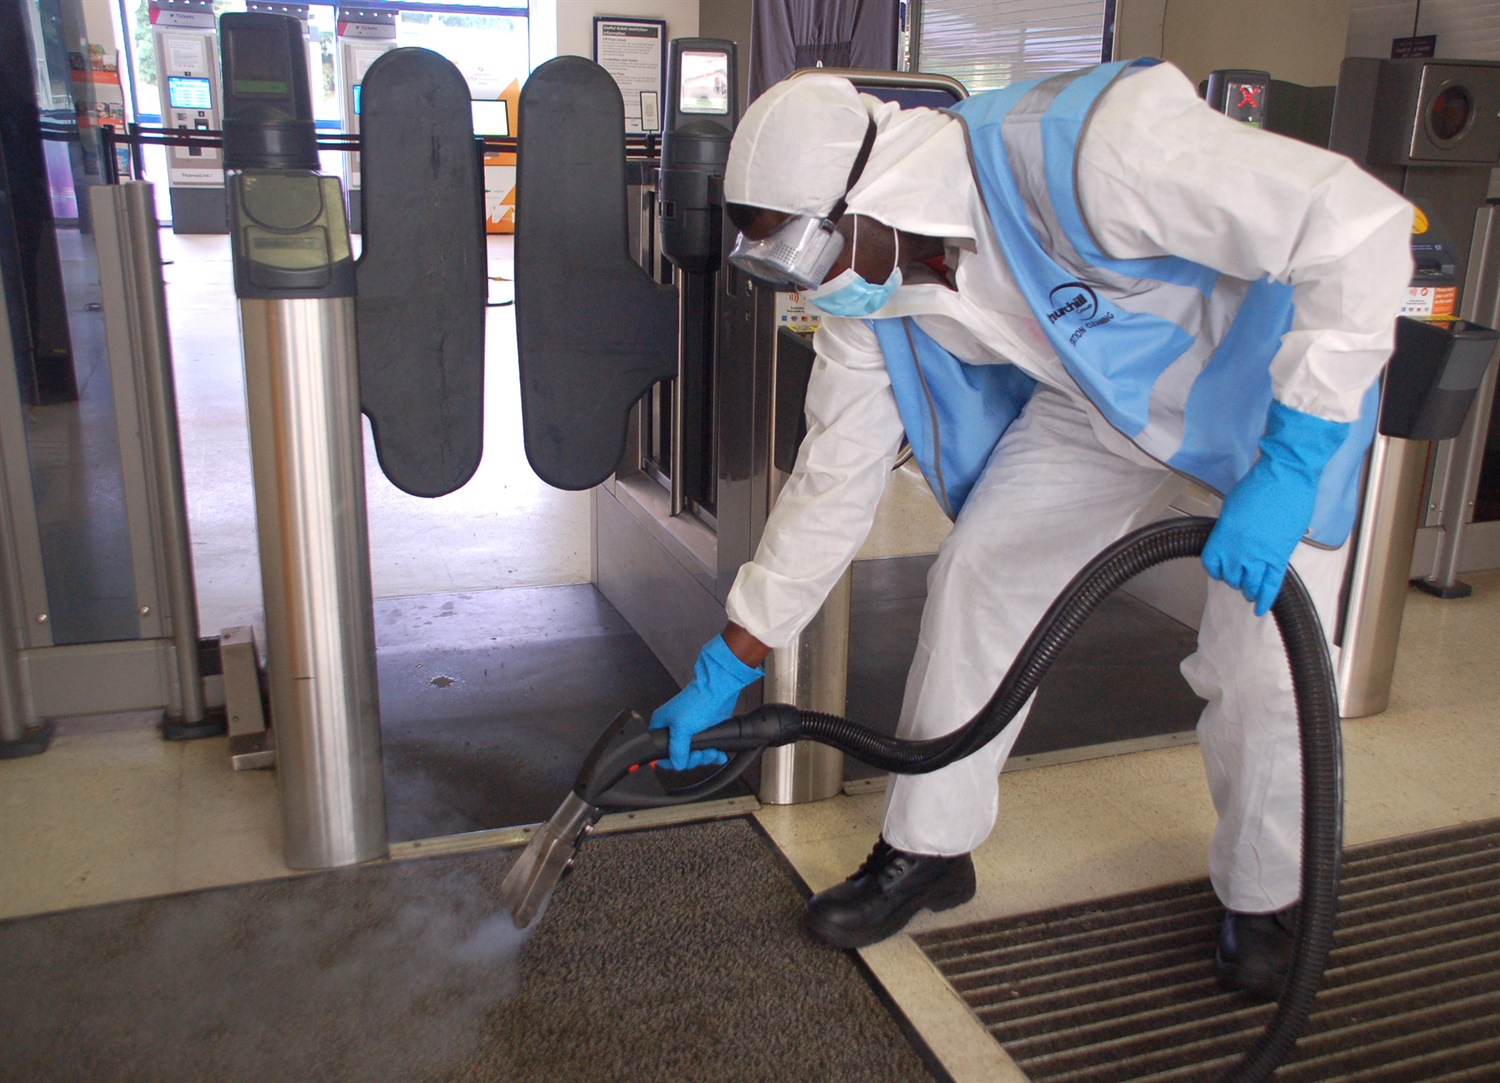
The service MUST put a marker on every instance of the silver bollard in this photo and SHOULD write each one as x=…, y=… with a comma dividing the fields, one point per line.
x=308, y=458
x=1379, y=575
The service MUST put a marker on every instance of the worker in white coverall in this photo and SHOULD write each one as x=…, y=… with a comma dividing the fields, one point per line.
x=1068, y=296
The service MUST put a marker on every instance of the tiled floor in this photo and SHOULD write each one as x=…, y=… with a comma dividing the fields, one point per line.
x=112, y=812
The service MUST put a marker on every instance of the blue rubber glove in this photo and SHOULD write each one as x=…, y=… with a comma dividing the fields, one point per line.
x=718, y=678
x=1267, y=513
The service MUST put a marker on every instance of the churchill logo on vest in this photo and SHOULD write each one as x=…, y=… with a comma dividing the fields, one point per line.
x=1080, y=304
x=1072, y=298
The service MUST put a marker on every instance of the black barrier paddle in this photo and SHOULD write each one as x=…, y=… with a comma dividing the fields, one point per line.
x=421, y=276
x=594, y=330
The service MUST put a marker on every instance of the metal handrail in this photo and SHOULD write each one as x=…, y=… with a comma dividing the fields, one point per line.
x=137, y=136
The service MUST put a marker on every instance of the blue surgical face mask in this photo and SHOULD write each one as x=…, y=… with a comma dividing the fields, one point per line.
x=849, y=293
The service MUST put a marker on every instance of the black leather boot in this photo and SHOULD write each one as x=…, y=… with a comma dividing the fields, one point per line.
x=1255, y=951
x=885, y=892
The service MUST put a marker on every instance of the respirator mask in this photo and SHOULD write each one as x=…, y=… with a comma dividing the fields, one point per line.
x=797, y=254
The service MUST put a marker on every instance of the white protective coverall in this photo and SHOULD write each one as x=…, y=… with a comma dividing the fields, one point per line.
x=1158, y=173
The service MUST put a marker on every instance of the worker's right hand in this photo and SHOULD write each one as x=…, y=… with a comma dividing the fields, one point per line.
x=718, y=678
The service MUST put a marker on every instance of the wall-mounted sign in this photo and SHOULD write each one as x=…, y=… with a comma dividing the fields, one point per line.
x=1417, y=48
x=634, y=52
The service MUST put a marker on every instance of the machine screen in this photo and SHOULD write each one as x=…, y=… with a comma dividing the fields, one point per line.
x=261, y=65
x=1245, y=101
x=356, y=98
x=189, y=92
x=705, y=83
x=490, y=118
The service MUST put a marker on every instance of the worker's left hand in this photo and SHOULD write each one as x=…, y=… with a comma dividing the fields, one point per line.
x=1267, y=513
x=718, y=678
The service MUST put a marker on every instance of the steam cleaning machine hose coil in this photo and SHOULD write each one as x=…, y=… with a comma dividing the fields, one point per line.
x=550, y=853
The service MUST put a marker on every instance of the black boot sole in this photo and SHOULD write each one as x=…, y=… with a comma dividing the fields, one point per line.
x=954, y=891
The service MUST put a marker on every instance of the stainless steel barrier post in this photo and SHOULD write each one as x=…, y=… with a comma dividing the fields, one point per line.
x=1429, y=387
x=1379, y=574
x=294, y=276
x=308, y=464
x=812, y=672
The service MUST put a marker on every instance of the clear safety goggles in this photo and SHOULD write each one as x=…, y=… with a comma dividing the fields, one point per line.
x=796, y=255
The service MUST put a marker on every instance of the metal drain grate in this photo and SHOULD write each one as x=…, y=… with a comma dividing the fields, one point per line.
x=1123, y=988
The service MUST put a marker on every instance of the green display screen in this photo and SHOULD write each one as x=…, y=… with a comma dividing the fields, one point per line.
x=260, y=86
x=261, y=66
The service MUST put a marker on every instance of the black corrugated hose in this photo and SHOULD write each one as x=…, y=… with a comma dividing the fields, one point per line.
x=1313, y=687
x=1317, y=716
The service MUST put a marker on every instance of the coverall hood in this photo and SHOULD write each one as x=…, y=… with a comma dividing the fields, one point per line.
x=795, y=146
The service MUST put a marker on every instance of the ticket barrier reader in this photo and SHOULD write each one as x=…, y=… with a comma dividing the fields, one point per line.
x=683, y=474
x=1430, y=130
x=187, y=74
x=398, y=335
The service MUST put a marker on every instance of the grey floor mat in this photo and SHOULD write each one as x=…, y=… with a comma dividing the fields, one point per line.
x=674, y=954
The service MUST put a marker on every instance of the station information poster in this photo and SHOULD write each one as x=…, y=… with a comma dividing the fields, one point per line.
x=634, y=52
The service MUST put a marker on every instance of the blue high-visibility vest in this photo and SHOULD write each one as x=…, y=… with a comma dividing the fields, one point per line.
x=1175, y=355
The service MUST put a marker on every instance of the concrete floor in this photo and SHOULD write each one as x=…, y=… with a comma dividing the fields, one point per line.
x=112, y=812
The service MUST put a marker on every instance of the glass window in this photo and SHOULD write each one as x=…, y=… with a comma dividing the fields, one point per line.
x=322, y=28
x=992, y=43
x=492, y=51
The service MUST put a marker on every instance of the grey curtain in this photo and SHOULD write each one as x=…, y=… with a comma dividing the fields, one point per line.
x=789, y=34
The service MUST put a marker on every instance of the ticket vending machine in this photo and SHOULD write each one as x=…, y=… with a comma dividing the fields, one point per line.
x=184, y=36
x=364, y=33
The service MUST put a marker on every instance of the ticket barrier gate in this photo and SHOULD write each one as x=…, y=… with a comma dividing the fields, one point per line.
x=678, y=404
x=397, y=335
x=1430, y=130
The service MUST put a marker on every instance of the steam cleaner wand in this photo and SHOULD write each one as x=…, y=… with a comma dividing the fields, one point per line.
x=553, y=847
